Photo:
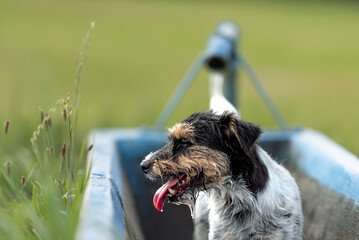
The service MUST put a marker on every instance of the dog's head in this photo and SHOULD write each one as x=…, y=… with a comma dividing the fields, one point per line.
x=201, y=150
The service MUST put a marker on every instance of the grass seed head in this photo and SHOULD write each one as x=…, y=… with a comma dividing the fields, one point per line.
x=52, y=150
x=6, y=126
x=23, y=180
x=58, y=181
x=64, y=114
x=63, y=150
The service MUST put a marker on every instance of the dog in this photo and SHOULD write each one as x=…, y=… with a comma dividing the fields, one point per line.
x=234, y=189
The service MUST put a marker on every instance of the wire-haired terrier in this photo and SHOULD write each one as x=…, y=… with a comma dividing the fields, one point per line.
x=232, y=186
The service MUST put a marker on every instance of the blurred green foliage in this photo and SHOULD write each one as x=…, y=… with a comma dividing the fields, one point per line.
x=41, y=189
x=306, y=53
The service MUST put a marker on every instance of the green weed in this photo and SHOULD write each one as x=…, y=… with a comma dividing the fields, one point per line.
x=41, y=189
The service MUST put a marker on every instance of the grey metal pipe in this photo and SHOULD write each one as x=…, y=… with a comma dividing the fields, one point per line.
x=221, y=54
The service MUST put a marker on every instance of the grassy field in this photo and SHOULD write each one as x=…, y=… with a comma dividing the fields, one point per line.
x=306, y=53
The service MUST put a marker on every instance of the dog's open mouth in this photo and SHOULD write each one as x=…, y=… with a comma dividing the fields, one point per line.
x=174, y=187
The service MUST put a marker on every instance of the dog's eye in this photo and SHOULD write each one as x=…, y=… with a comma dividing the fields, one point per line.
x=179, y=144
x=185, y=142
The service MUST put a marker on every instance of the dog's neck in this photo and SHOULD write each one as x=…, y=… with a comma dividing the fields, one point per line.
x=234, y=204
x=249, y=167
x=249, y=177
x=235, y=212
x=231, y=192
x=231, y=206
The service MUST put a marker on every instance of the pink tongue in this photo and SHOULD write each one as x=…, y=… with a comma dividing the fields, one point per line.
x=161, y=194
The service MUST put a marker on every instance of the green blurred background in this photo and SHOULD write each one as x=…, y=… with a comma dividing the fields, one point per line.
x=306, y=53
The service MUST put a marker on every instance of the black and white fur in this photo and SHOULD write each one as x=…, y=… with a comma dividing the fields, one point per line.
x=231, y=211
x=255, y=199
x=236, y=210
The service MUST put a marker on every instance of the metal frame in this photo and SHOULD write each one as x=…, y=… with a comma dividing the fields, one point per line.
x=221, y=56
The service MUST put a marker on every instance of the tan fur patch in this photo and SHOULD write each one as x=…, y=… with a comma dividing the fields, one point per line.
x=181, y=130
x=213, y=163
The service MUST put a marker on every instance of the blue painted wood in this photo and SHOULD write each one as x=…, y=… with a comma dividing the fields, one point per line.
x=116, y=157
x=102, y=212
x=327, y=162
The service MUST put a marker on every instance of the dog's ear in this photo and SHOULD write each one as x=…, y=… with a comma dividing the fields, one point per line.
x=245, y=133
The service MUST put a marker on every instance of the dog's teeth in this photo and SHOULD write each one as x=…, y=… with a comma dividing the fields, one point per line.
x=172, y=192
x=193, y=173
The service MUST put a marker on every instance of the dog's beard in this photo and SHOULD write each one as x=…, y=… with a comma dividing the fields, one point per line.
x=190, y=195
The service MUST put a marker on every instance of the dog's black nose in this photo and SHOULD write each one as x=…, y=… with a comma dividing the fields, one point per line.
x=146, y=165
